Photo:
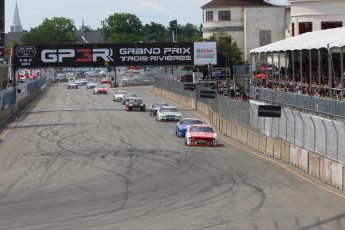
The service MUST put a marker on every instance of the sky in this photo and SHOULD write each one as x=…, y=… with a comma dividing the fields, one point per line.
x=92, y=12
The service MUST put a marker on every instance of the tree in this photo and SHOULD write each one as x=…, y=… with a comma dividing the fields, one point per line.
x=228, y=47
x=154, y=32
x=121, y=24
x=55, y=31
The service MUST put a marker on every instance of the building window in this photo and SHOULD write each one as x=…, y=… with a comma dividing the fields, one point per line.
x=305, y=27
x=265, y=37
x=331, y=25
x=209, y=15
x=224, y=15
x=293, y=29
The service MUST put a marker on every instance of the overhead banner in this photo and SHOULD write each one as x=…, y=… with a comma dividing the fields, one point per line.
x=110, y=55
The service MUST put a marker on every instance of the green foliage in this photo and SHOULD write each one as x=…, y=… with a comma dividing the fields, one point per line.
x=228, y=47
x=53, y=31
x=122, y=25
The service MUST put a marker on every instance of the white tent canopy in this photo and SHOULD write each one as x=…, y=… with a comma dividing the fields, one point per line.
x=330, y=38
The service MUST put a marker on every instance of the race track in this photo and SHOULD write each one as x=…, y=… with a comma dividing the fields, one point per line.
x=77, y=160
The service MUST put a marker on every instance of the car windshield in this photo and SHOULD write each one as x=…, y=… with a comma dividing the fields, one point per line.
x=159, y=104
x=204, y=129
x=129, y=95
x=190, y=122
x=165, y=110
x=135, y=101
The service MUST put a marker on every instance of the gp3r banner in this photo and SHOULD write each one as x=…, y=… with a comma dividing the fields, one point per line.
x=107, y=55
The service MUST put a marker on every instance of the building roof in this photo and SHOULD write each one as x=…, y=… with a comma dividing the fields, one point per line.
x=232, y=3
x=330, y=38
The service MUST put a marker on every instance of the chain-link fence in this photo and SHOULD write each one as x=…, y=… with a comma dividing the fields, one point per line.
x=308, y=130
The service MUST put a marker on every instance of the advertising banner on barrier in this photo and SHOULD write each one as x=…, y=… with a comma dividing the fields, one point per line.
x=118, y=54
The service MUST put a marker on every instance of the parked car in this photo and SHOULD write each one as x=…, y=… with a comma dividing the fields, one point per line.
x=91, y=85
x=71, y=84
x=100, y=89
x=168, y=113
x=182, y=125
x=155, y=106
x=135, y=104
x=127, y=96
x=201, y=135
x=118, y=95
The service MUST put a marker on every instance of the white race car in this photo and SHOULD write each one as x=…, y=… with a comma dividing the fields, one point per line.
x=72, y=84
x=168, y=113
x=91, y=85
x=118, y=95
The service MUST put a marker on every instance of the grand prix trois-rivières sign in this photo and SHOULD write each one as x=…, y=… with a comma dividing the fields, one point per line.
x=120, y=54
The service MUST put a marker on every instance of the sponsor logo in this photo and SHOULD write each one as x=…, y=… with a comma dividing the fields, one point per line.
x=79, y=55
x=155, y=54
x=26, y=51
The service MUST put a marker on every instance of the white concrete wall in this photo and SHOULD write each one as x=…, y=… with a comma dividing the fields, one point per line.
x=317, y=11
x=262, y=18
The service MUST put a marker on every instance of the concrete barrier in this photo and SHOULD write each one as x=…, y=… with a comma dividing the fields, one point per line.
x=294, y=152
x=228, y=129
x=250, y=140
x=233, y=131
x=277, y=149
x=262, y=144
x=285, y=154
x=337, y=175
x=314, y=165
x=244, y=136
x=269, y=147
x=326, y=170
x=224, y=127
x=239, y=133
x=256, y=141
x=303, y=160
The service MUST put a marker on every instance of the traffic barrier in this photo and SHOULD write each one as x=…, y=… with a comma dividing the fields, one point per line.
x=228, y=128
x=256, y=141
x=314, y=165
x=269, y=147
x=219, y=120
x=233, y=131
x=277, y=149
x=285, y=154
x=244, y=136
x=250, y=139
x=238, y=133
x=224, y=127
x=303, y=159
x=337, y=175
x=262, y=144
x=294, y=151
x=326, y=170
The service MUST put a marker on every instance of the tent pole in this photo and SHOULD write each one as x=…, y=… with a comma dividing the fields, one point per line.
x=342, y=71
x=319, y=67
x=301, y=69
x=330, y=72
x=293, y=70
x=310, y=74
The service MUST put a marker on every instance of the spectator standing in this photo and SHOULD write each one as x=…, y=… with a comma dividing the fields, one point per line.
x=205, y=72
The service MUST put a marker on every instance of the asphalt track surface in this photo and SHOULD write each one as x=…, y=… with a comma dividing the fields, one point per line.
x=75, y=160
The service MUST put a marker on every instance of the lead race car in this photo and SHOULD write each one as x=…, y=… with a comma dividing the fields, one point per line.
x=201, y=135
